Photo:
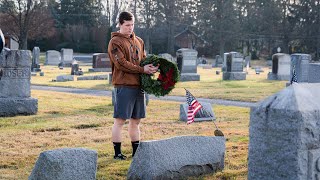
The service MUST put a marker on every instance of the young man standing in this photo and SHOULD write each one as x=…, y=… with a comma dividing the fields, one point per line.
x=126, y=51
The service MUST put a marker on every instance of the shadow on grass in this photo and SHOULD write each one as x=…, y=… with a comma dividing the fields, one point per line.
x=86, y=126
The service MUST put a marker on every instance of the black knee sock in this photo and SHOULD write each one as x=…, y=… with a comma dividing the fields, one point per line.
x=117, y=148
x=135, y=145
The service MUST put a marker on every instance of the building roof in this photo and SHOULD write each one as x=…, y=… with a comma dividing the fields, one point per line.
x=187, y=30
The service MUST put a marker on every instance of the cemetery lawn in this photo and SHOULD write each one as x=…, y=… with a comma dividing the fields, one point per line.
x=253, y=89
x=72, y=120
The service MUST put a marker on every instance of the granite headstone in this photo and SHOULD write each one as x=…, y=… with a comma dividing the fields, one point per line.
x=100, y=63
x=187, y=64
x=15, y=76
x=67, y=57
x=204, y=114
x=53, y=57
x=178, y=158
x=234, y=67
x=66, y=163
x=314, y=73
x=300, y=64
x=280, y=67
x=284, y=135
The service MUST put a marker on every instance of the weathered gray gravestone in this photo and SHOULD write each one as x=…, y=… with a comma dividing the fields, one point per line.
x=63, y=78
x=187, y=64
x=35, y=66
x=95, y=77
x=280, y=67
x=204, y=114
x=314, y=73
x=67, y=57
x=178, y=158
x=167, y=56
x=285, y=134
x=100, y=63
x=53, y=57
x=218, y=61
x=300, y=64
x=15, y=70
x=234, y=67
x=66, y=163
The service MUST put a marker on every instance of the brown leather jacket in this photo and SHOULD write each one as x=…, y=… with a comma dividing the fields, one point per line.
x=125, y=54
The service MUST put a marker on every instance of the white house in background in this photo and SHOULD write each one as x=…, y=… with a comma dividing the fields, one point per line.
x=11, y=42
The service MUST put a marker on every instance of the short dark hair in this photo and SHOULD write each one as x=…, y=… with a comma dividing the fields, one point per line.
x=125, y=16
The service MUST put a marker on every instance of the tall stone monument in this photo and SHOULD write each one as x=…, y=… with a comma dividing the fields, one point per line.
x=280, y=67
x=300, y=65
x=234, y=67
x=15, y=70
x=35, y=66
x=187, y=64
x=284, y=135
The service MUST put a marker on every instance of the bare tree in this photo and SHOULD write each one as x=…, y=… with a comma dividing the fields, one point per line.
x=25, y=18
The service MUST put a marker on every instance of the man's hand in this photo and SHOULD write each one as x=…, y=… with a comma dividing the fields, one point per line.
x=150, y=69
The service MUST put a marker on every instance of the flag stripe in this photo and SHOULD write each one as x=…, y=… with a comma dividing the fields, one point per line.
x=193, y=107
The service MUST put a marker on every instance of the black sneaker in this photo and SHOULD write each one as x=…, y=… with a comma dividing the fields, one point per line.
x=120, y=157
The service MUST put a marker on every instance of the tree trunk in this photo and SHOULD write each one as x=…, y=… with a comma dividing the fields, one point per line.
x=170, y=42
x=23, y=40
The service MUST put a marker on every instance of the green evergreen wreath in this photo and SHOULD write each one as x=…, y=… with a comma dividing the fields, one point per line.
x=165, y=82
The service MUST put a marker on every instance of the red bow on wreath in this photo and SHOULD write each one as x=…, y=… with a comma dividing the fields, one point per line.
x=166, y=79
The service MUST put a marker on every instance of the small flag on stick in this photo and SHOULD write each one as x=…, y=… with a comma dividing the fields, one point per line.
x=193, y=107
x=294, y=75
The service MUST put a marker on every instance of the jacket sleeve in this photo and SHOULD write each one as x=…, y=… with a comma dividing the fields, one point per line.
x=117, y=56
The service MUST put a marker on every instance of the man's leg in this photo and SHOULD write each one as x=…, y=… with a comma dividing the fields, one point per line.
x=134, y=133
x=117, y=139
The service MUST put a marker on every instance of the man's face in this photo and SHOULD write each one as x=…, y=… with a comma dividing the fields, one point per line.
x=127, y=27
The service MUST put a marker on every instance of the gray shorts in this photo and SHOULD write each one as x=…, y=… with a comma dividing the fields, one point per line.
x=129, y=103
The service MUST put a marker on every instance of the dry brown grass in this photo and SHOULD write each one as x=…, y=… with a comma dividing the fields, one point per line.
x=69, y=120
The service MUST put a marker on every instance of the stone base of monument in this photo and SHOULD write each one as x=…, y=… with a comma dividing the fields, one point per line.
x=36, y=70
x=234, y=76
x=66, y=163
x=204, y=114
x=97, y=77
x=178, y=158
x=189, y=77
x=18, y=106
x=272, y=76
x=100, y=70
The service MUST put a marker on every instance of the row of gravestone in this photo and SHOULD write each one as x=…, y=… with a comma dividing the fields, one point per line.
x=284, y=66
x=186, y=61
x=54, y=57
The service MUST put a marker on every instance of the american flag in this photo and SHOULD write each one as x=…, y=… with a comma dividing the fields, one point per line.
x=193, y=107
x=294, y=75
